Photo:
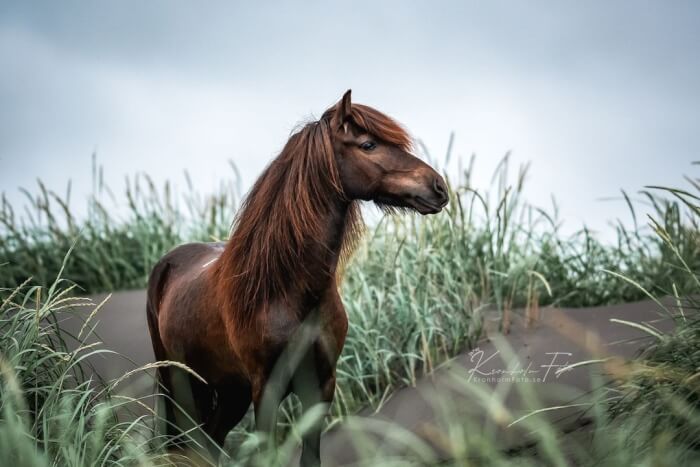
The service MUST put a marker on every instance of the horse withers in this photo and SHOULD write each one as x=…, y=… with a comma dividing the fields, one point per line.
x=230, y=311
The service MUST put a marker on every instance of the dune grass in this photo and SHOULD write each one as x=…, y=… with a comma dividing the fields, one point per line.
x=490, y=243
x=119, y=240
x=52, y=413
x=415, y=292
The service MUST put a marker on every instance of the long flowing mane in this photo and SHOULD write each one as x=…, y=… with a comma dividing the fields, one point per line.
x=286, y=211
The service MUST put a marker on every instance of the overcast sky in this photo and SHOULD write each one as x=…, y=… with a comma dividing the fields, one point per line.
x=598, y=96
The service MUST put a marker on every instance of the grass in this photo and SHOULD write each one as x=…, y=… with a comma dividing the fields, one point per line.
x=52, y=412
x=414, y=292
x=491, y=244
x=116, y=252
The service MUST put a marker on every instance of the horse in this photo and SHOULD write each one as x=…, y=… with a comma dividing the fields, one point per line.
x=229, y=311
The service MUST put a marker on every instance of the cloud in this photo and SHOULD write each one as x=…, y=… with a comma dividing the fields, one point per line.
x=597, y=95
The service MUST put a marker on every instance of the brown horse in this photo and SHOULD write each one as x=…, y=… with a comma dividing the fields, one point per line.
x=230, y=310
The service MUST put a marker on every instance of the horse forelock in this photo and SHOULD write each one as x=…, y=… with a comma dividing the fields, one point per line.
x=376, y=123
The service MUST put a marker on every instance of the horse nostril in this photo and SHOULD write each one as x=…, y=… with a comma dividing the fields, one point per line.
x=439, y=187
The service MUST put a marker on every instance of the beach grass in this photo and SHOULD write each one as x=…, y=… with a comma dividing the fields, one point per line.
x=416, y=293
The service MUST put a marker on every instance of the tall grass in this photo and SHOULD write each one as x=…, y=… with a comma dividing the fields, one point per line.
x=414, y=293
x=494, y=246
x=119, y=239
x=51, y=411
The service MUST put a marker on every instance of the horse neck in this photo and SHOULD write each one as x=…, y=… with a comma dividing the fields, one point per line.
x=336, y=222
x=320, y=255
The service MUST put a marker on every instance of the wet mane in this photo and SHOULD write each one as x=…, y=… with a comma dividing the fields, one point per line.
x=287, y=212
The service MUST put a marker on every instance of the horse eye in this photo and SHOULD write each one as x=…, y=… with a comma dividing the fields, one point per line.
x=368, y=145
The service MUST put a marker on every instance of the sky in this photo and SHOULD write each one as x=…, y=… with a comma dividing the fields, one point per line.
x=597, y=96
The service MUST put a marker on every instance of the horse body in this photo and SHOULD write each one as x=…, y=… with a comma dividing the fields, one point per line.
x=231, y=311
x=236, y=361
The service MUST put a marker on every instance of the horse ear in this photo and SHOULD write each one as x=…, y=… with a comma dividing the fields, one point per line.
x=344, y=111
x=346, y=106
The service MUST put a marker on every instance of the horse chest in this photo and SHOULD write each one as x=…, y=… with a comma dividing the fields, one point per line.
x=321, y=333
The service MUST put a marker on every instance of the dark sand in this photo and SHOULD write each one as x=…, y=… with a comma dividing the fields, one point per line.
x=561, y=337
x=120, y=324
x=558, y=338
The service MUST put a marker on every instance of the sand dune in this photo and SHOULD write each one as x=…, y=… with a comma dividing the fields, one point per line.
x=527, y=359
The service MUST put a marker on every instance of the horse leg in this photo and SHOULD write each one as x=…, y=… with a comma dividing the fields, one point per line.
x=165, y=405
x=231, y=406
x=266, y=401
x=192, y=404
x=165, y=408
x=312, y=390
x=296, y=362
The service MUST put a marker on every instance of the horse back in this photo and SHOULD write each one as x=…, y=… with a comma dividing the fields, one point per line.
x=176, y=263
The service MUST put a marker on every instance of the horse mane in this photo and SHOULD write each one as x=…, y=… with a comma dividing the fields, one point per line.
x=378, y=124
x=287, y=210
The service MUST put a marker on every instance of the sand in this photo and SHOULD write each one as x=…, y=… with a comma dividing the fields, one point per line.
x=525, y=361
x=561, y=337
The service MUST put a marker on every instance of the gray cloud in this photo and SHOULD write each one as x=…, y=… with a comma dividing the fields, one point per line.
x=598, y=95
